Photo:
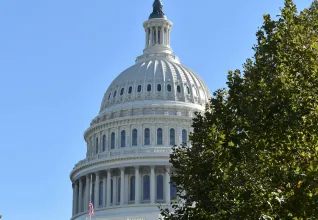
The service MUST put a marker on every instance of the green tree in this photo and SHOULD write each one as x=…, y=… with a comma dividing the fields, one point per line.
x=254, y=152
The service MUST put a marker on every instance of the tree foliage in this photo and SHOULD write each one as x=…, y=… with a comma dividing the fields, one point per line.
x=254, y=151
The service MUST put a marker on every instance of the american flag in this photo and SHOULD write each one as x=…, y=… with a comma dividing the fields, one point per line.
x=91, y=209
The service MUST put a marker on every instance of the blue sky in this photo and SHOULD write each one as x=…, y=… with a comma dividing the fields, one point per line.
x=57, y=59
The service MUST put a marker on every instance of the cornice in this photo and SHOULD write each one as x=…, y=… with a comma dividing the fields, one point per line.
x=80, y=167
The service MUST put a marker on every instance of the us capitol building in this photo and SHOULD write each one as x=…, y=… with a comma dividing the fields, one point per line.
x=145, y=111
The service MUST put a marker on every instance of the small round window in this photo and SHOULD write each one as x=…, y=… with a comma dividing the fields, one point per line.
x=130, y=89
x=148, y=87
x=169, y=88
x=159, y=87
x=139, y=88
x=122, y=91
x=178, y=89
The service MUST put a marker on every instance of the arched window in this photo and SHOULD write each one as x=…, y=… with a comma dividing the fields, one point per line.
x=109, y=95
x=132, y=188
x=101, y=193
x=178, y=88
x=119, y=190
x=134, y=137
x=123, y=138
x=111, y=190
x=159, y=187
x=159, y=87
x=184, y=137
x=96, y=146
x=146, y=187
x=173, y=191
x=159, y=136
x=112, y=144
x=169, y=88
x=148, y=87
x=115, y=93
x=130, y=89
x=172, y=136
x=139, y=88
x=122, y=91
x=104, y=142
x=147, y=136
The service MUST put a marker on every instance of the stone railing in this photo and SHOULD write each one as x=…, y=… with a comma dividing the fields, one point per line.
x=125, y=152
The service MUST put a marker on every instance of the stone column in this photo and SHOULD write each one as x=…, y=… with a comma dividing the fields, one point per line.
x=151, y=37
x=104, y=191
x=122, y=186
x=157, y=35
x=167, y=185
x=108, y=194
x=80, y=191
x=147, y=40
x=137, y=185
x=76, y=198
x=114, y=190
x=166, y=136
x=161, y=36
x=96, y=191
x=152, y=184
x=87, y=195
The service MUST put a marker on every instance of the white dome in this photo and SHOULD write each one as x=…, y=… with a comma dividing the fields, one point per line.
x=145, y=111
x=156, y=79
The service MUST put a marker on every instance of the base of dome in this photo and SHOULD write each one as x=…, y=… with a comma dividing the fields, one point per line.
x=130, y=212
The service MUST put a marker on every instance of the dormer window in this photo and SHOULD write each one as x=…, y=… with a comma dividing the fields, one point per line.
x=148, y=87
x=109, y=95
x=169, y=88
x=139, y=88
x=159, y=87
x=122, y=91
x=115, y=93
x=129, y=89
x=178, y=88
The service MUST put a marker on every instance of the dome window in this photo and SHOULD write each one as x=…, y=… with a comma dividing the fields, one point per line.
x=169, y=88
x=188, y=90
x=147, y=136
x=148, y=87
x=122, y=91
x=159, y=136
x=115, y=93
x=159, y=87
x=129, y=89
x=109, y=95
x=139, y=88
x=134, y=137
x=178, y=89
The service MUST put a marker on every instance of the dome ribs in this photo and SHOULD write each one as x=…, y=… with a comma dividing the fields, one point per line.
x=171, y=78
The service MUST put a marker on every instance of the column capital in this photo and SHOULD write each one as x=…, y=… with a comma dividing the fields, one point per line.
x=97, y=173
x=152, y=166
x=136, y=167
x=122, y=169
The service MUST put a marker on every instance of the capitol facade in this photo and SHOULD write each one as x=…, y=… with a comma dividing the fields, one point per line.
x=145, y=111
